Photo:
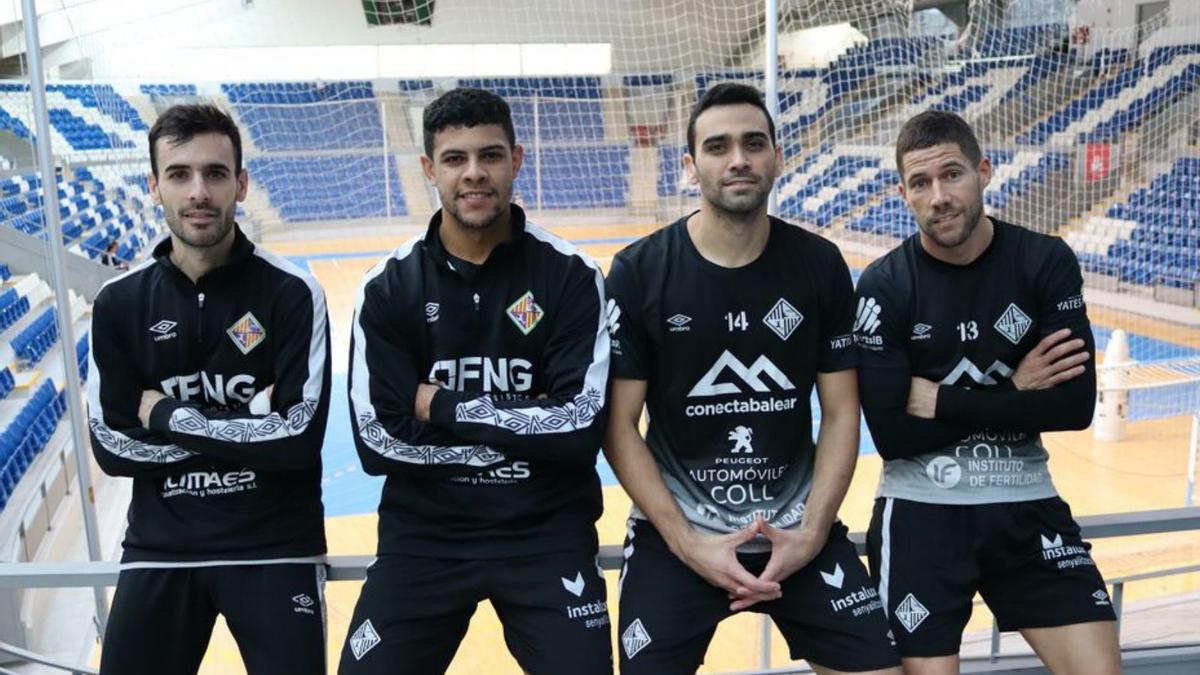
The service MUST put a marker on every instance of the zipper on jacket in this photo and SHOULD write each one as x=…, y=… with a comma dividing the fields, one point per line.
x=200, y=319
x=476, y=298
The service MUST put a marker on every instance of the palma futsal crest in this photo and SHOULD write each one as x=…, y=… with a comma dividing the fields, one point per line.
x=247, y=333
x=525, y=313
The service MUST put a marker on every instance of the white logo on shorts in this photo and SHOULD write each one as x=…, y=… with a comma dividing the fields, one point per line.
x=635, y=638
x=304, y=604
x=834, y=578
x=364, y=640
x=911, y=612
x=1101, y=597
x=574, y=587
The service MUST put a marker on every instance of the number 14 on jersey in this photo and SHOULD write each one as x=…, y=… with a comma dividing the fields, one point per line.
x=737, y=321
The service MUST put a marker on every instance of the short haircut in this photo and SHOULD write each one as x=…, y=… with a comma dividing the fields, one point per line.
x=466, y=107
x=179, y=123
x=727, y=93
x=934, y=127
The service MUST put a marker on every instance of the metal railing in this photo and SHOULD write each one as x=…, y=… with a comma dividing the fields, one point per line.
x=354, y=568
x=31, y=657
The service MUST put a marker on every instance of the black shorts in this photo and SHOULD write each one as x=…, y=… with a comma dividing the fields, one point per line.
x=829, y=614
x=1026, y=559
x=413, y=613
x=162, y=618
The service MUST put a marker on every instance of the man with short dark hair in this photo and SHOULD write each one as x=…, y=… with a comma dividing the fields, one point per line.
x=210, y=387
x=722, y=323
x=974, y=340
x=478, y=372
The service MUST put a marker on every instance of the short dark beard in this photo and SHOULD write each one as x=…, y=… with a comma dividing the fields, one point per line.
x=471, y=225
x=178, y=230
x=743, y=208
x=971, y=217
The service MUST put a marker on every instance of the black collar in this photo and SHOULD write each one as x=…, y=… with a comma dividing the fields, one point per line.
x=239, y=253
x=433, y=242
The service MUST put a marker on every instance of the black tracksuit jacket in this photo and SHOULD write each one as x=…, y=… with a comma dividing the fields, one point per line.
x=215, y=478
x=506, y=467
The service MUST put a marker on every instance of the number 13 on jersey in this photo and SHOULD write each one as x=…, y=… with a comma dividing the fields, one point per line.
x=968, y=330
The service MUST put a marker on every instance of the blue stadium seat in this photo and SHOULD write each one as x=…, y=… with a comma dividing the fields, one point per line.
x=312, y=188
x=577, y=177
x=1163, y=247
x=565, y=108
x=32, y=343
x=28, y=433
x=12, y=307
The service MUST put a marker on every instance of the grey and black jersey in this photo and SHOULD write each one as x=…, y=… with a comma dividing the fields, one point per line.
x=730, y=356
x=967, y=328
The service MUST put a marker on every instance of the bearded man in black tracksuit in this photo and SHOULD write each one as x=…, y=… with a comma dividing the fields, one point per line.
x=478, y=371
x=210, y=388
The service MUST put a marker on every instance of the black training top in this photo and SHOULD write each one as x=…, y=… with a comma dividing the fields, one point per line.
x=730, y=356
x=215, y=476
x=968, y=327
x=506, y=466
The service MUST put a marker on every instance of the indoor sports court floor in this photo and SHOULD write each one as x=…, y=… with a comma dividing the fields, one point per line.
x=1146, y=471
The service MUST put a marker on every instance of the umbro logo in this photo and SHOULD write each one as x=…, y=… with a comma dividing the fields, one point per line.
x=304, y=604
x=922, y=331
x=163, y=330
x=1101, y=597
x=679, y=323
x=431, y=312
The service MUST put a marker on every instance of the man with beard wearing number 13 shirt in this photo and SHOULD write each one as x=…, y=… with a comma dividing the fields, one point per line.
x=722, y=322
x=975, y=338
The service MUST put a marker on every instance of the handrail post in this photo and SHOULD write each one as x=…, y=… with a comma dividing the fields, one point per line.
x=1118, y=603
x=764, y=648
